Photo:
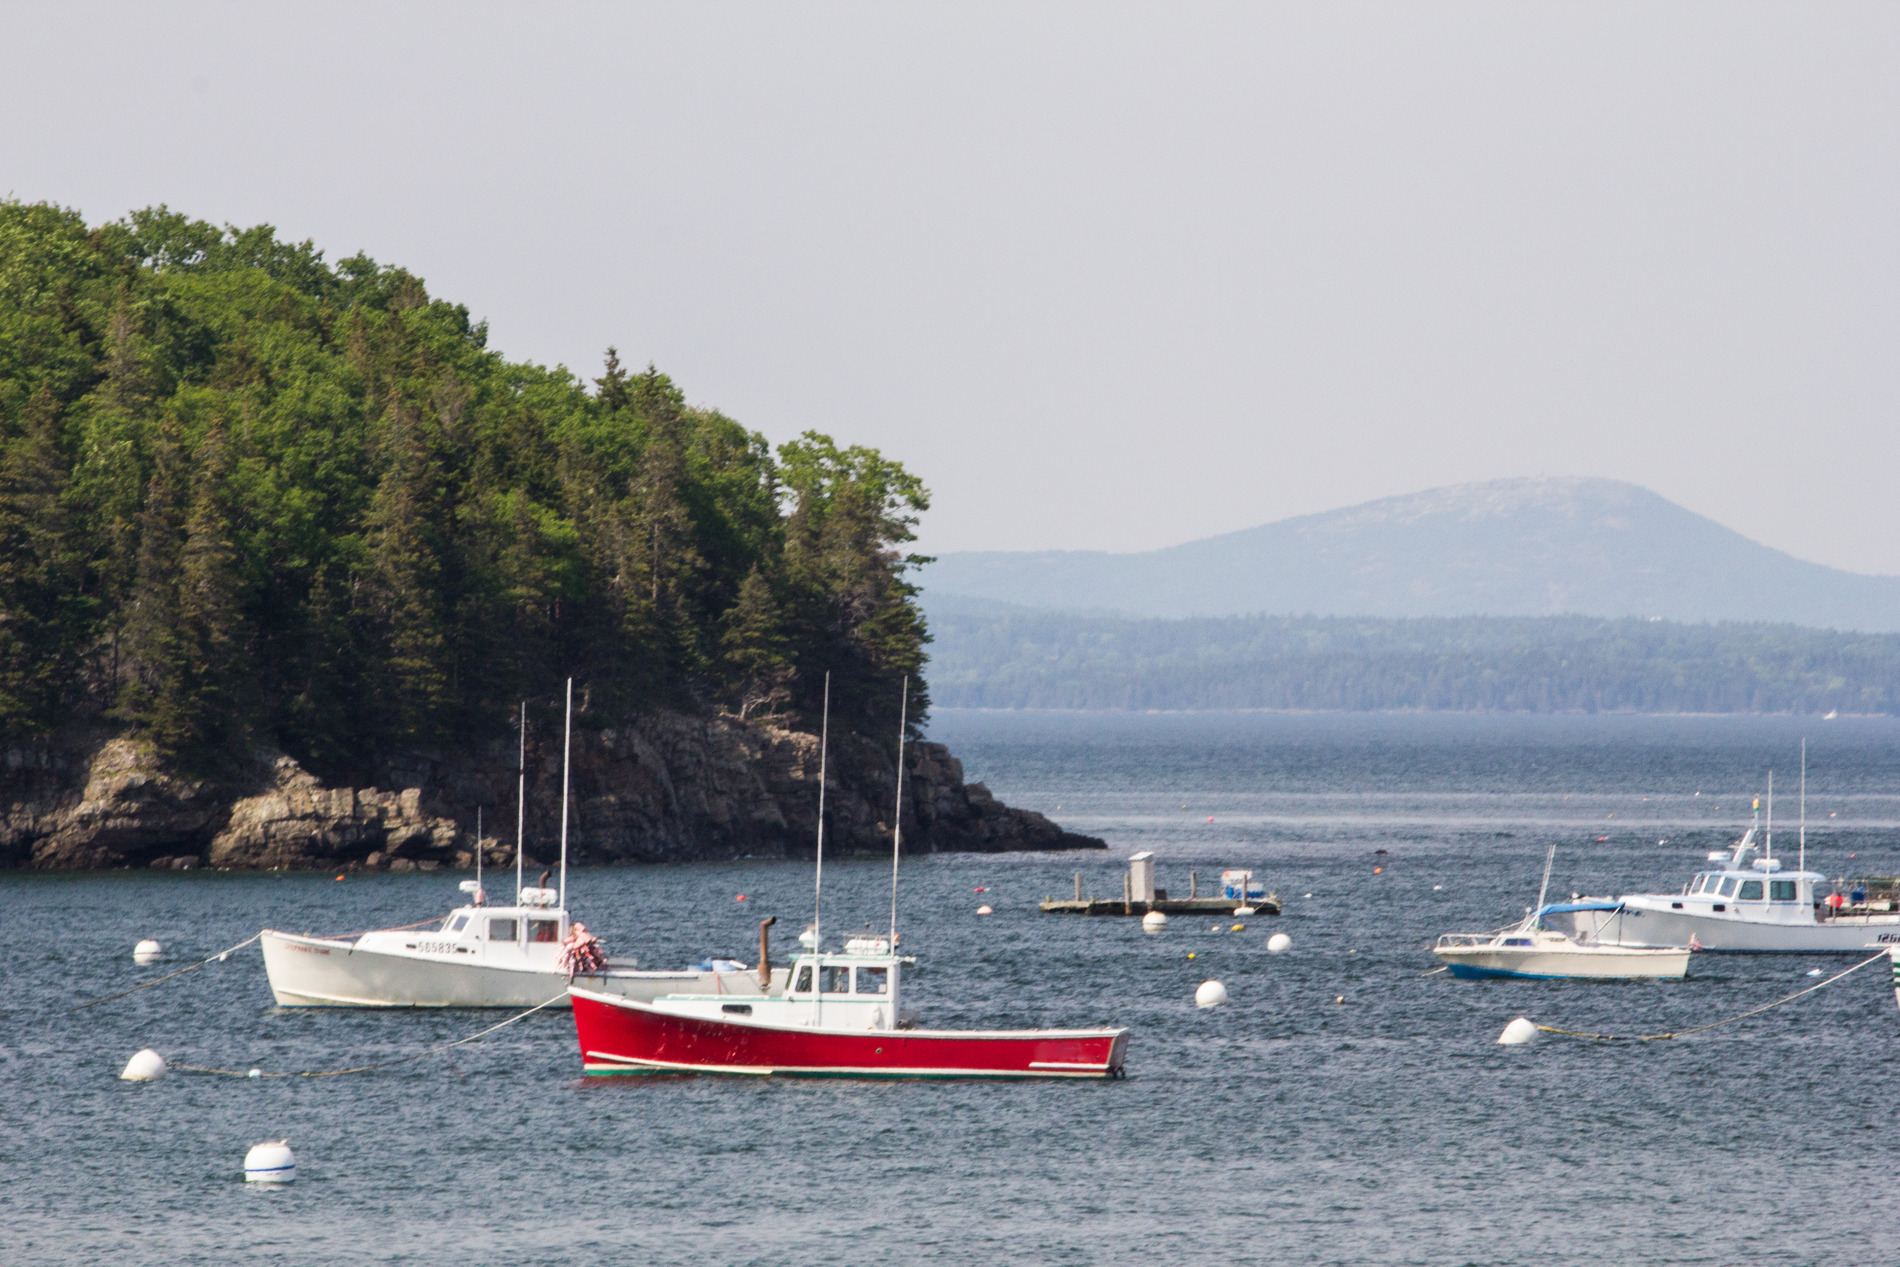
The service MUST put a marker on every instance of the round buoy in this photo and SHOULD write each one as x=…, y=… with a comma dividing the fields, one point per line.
x=984, y=910
x=1237, y=928
x=270, y=1162
x=1153, y=922
x=1339, y=998
x=147, y=951
x=1211, y=994
x=740, y=898
x=1190, y=954
x=1243, y=910
x=1437, y=887
x=145, y=1066
x=1279, y=943
x=1517, y=1033
x=255, y=1073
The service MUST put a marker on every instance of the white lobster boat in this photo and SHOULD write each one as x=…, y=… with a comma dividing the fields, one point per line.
x=1747, y=903
x=479, y=956
x=483, y=956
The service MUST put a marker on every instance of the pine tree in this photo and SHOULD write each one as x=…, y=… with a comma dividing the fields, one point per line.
x=407, y=575
x=754, y=645
x=44, y=616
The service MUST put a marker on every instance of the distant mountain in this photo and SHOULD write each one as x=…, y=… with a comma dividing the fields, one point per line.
x=1520, y=547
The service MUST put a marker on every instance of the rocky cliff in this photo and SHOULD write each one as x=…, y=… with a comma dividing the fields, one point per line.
x=664, y=788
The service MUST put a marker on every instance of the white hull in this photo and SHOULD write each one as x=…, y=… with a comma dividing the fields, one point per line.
x=1604, y=962
x=1640, y=924
x=325, y=972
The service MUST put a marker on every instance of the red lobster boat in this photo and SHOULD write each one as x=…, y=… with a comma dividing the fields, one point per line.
x=839, y=1017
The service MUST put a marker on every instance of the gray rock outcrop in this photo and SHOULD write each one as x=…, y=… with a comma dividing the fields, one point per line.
x=666, y=787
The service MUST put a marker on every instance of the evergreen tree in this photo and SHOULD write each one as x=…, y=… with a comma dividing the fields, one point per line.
x=44, y=616
x=758, y=670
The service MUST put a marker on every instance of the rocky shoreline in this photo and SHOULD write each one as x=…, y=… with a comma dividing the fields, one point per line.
x=666, y=787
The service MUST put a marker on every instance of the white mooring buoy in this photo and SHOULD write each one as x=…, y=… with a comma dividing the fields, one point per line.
x=1211, y=994
x=147, y=951
x=1153, y=922
x=270, y=1162
x=1517, y=1033
x=145, y=1066
x=1279, y=944
x=984, y=910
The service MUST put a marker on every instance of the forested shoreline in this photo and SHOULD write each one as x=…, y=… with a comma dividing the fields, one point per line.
x=250, y=498
x=994, y=655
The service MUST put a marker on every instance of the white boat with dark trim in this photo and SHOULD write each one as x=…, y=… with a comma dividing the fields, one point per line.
x=1748, y=904
x=1533, y=949
x=480, y=955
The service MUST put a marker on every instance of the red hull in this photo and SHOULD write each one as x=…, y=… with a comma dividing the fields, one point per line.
x=619, y=1036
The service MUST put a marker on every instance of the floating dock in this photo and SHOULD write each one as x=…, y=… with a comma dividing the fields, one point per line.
x=1269, y=905
x=1140, y=896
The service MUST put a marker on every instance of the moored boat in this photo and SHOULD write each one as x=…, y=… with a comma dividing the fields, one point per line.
x=1534, y=950
x=839, y=1017
x=1747, y=903
x=522, y=955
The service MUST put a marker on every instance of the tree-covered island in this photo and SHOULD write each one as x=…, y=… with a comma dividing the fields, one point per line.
x=255, y=501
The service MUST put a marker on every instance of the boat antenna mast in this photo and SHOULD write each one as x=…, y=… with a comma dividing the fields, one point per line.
x=567, y=753
x=521, y=797
x=818, y=883
x=1770, y=847
x=1802, y=865
x=478, y=856
x=897, y=818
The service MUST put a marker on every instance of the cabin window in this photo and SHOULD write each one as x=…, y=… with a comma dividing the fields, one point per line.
x=501, y=930
x=1701, y=882
x=544, y=930
x=1781, y=890
x=834, y=978
x=1728, y=886
x=457, y=924
x=874, y=980
x=1517, y=941
x=1751, y=891
x=803, y=984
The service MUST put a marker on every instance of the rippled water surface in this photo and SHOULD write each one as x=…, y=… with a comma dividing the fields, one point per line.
x=1284, y=1127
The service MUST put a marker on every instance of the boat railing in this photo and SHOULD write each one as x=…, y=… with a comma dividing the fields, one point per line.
x=1457, y=941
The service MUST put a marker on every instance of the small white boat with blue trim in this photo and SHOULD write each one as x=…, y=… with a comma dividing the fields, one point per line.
x=1534, y=950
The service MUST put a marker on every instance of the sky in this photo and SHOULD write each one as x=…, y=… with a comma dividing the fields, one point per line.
x=1106, y=276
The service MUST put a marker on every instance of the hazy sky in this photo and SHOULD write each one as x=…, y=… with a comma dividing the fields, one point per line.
x=1107, y=276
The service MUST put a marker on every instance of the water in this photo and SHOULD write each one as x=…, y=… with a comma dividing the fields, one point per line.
x=1284, y=1127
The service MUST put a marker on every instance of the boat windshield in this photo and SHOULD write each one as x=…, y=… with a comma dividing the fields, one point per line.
x=834, y=978
x=1751, y=891
x=1781, y=891
x=1728, y=887
x=501, y=930
x=874, y=980
x=457, y=924
x=803, y=984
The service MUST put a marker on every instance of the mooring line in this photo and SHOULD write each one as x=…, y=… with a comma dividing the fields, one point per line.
x=1648, y=1038
x=400, y=1060
x=222, y=954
